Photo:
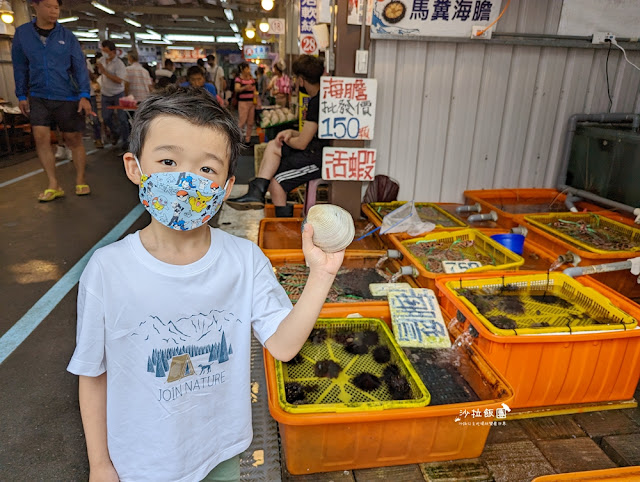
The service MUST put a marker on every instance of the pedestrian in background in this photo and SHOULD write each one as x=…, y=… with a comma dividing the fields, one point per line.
x=280, y=85
x=216, y=74
x=114, y=74
x=245, y=88
x=167, y=72
x=52, y=86
x=139, y=81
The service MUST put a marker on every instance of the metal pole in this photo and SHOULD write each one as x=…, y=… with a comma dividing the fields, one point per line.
x=331, y=63
x=363, y=28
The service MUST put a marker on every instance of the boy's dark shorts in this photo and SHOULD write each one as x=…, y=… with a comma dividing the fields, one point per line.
x=297, y=167
x=64, y=113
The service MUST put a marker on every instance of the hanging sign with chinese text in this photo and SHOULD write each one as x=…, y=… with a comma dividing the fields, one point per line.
x=433, y=18
x=347, y=108
x=308, y=44
x=348, y=164
x=252, y=52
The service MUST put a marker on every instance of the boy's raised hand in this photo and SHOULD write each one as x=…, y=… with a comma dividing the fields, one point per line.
x=318, y=260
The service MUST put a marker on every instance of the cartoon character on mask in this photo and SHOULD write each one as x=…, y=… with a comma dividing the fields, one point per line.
x=159, y=203
x=186, y=181
x=178, y=190
x=199, y=202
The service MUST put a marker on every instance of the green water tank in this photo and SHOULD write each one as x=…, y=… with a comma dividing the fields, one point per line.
x=605, y=160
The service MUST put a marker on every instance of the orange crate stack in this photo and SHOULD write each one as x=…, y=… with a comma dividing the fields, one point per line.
x=555, y=369
x=276, y=235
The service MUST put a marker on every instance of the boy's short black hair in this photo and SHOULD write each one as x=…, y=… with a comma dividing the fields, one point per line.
x=309, y=68
x=194, y=70
x=196, y=106
x=108, y=44
x=38, y=1
x=168, y=62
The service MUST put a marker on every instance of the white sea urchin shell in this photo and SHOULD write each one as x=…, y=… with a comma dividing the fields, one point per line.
x=333, y=228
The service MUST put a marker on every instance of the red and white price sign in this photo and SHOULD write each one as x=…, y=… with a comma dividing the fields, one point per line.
x=348, y=164
x=308, y=44
x=276, y=26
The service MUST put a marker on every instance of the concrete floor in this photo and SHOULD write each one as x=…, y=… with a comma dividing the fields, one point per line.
x=41, y=436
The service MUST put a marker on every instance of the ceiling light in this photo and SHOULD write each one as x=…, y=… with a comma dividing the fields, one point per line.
x=263, y=25
x=180, y=47
x=94, y=30
x=190, y=38
x=267, y=4
x=67, y=19
x=89, y=39
x=132, y=22
x=124, y=46
x=84, y=34
x=99, y=6
x=229, y=14
x=250, y=30
x=234, y=27
x=157, y=42
x=226, y=39
x=6, y=14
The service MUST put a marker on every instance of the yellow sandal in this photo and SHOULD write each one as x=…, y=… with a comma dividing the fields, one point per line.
x=50, y=195
x=82, y=189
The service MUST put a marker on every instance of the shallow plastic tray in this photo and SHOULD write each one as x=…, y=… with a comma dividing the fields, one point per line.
x=435, y=214
x=502, y=257
x=340, y=394
x=509, y=203
x=276, y=234
x=554, y=299
x=617, y=230
x=352, y=260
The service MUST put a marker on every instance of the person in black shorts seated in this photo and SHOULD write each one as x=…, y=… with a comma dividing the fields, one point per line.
x=293, y=157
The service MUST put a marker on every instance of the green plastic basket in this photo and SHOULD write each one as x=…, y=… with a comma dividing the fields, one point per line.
x=339, y=394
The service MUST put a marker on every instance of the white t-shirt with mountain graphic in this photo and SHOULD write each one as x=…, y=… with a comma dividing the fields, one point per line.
x=175, y=342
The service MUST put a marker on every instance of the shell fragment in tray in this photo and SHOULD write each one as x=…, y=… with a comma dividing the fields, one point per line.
x=417, y=320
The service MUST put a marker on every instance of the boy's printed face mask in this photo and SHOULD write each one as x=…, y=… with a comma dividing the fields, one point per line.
x=180, y=200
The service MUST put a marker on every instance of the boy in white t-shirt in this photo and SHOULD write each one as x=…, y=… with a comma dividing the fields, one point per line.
x=165, y=315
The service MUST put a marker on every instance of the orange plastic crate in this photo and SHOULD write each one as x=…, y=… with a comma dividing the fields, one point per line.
x=557, y=369
x=621, y=281
x=270, y=211
x=355, y=259
x=278, y=234
x=509, y=203
x=620, y=474
x=326, y=442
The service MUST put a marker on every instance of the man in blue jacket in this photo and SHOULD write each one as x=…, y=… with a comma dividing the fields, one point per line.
x=52, y=86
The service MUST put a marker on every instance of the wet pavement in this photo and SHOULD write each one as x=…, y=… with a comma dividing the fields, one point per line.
x=41, y=436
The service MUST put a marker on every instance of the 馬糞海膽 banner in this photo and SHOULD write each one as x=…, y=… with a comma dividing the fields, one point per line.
x=431, y=18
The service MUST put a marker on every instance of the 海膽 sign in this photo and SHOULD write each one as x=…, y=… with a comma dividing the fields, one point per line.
x=347, y=108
